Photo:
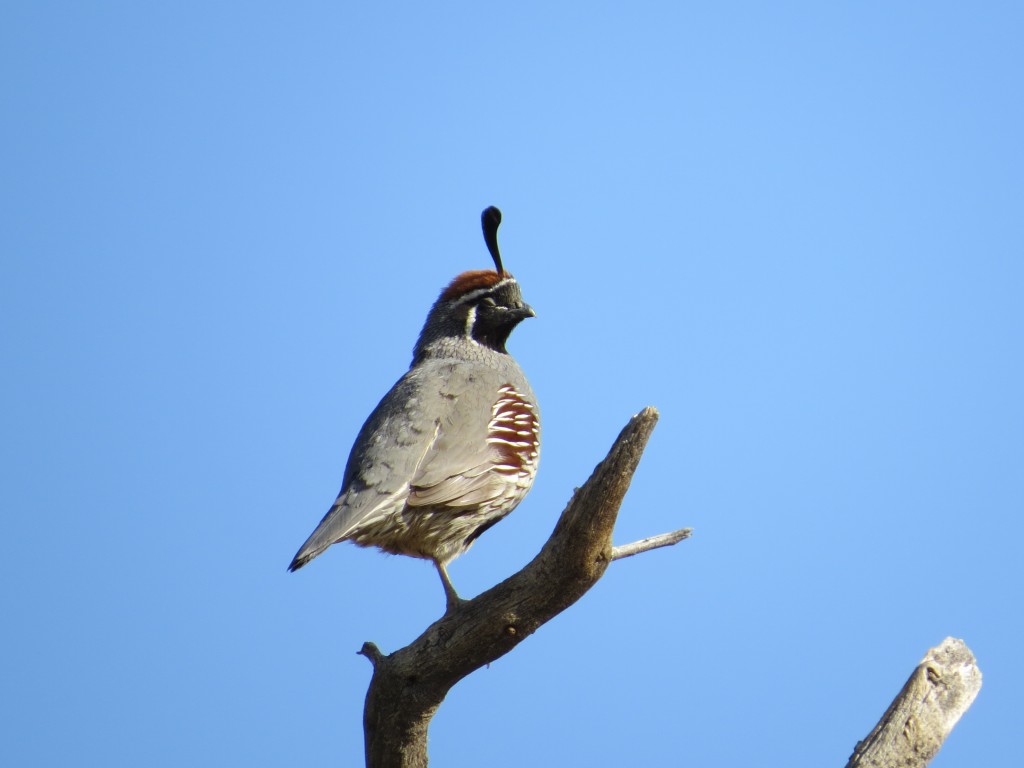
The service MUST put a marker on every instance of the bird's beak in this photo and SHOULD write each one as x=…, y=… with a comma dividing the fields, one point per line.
x=525, y=311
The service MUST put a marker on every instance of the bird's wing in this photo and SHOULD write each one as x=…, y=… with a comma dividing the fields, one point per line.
x=478, y=453
x=456, y=473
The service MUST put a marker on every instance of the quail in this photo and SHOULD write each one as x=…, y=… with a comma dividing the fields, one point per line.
x=454, y=446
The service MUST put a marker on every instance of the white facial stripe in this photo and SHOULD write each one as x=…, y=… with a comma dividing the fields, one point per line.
x=474, y=295
x=470, y=319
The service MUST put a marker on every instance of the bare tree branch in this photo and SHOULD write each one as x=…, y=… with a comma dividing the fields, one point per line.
x=651, y=542
x=409, y=685
x=920, y=718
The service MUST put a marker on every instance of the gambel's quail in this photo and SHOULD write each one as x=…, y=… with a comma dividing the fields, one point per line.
x=454, y=446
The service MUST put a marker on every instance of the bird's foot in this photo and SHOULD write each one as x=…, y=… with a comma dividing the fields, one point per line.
x=452, y=599
x=453, y=603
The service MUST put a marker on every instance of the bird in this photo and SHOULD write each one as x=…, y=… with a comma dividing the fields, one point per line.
x=454, y=446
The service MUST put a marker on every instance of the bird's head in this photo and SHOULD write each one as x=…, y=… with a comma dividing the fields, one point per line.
x=479, y=307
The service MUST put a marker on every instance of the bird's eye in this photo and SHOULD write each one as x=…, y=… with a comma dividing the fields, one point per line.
x=487, y=301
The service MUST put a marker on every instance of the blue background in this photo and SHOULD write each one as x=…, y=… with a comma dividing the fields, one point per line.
x=795, y=228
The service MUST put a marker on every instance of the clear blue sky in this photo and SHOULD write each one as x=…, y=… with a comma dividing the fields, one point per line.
x=795, y=228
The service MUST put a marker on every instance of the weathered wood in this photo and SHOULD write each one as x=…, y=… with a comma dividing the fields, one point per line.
x=920, y=718
x=409, y=685
x=651, y=542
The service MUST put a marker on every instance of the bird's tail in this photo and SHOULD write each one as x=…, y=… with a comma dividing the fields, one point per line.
x=305, y=554
x=326, y=533
x=348, y=512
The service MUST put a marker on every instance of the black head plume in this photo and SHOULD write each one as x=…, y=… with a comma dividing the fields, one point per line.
x=491, y=219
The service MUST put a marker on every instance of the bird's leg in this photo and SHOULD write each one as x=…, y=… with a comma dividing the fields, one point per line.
x=451, y=596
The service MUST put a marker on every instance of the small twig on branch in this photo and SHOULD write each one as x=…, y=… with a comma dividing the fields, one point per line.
x=651, y=542
x=920, y=718
x=372, y=652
